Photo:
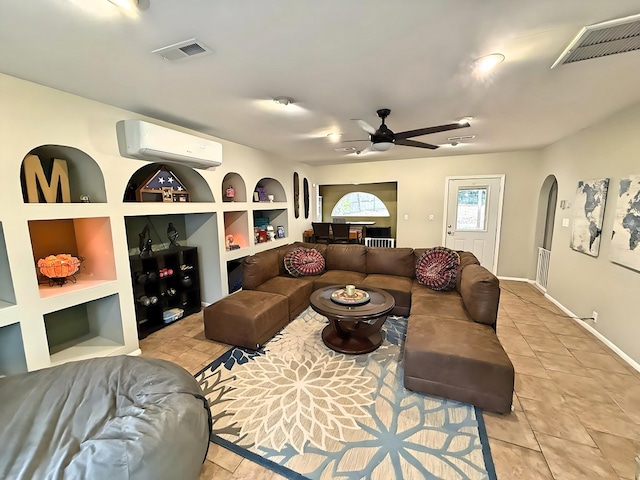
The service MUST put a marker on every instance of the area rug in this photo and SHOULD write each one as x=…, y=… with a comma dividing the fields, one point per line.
x=307, y=412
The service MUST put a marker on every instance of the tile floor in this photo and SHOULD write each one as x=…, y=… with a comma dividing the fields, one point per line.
x=577, y=404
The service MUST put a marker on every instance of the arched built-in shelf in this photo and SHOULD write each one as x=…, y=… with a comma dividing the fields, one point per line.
x=197, y=186
x=235, y=181
x=85, y=176
x=272, y=187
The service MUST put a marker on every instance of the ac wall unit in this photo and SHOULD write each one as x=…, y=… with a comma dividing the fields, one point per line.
x=147, y=141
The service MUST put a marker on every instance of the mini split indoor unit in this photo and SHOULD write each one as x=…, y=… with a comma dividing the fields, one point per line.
x=147, y=141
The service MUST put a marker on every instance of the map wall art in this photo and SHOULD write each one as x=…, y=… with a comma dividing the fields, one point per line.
x=588, y=213
x=625, y=238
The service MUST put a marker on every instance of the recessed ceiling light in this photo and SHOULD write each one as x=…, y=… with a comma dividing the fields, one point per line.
x=334, y=137
x=283, y=101
x=488, y=62
x=463, y=120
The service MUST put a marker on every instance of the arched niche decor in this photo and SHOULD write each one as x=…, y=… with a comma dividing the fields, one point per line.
x=63, y=174
x=233, y=188
x=197, y=186
x=271, y=186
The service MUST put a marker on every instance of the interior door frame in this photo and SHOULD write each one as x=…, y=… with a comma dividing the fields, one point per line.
x=494, y=267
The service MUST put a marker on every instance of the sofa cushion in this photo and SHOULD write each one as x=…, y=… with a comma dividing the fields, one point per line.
x=437, y=268
x=284, y=249
x=259, y=268
x=425, y=301
x=398, y=286
x=391, y=261
x=347, y=257
x=301, y=262
x=460, y=360
x=337, y=277
x=297, y=291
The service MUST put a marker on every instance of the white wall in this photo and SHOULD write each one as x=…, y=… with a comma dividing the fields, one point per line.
x=421, y=184
x=609, y=149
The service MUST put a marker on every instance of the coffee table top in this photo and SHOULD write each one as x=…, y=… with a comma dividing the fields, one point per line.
x=380, y=302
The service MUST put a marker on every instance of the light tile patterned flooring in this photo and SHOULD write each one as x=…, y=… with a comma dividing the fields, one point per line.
x=577, y=404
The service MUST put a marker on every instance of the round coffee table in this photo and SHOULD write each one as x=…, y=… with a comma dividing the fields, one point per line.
x=353, y=329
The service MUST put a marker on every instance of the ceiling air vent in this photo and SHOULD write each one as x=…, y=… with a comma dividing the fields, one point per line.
x=602, y=39
x=179, y=51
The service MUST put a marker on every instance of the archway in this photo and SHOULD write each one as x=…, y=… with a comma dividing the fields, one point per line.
x=545, y=224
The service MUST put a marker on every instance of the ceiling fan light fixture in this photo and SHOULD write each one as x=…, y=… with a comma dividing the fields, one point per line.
x=284, y=101
x=382, y=146
x=463, y=120
x=487, y=63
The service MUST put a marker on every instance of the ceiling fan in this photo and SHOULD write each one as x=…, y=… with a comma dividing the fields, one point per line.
x=382, y=138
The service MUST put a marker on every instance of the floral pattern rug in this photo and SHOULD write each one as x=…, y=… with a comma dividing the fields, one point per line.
x=308, y=412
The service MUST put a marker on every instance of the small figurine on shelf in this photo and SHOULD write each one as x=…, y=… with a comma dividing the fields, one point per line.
x=230, y=192
x=144, y=243
x=229, y=241
x=271, y=234
x=172, y=234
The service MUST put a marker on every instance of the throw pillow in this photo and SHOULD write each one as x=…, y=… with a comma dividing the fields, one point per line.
x=437, y=268
x=304, y=261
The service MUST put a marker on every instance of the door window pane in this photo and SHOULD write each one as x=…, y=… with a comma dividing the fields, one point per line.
x=471, y=209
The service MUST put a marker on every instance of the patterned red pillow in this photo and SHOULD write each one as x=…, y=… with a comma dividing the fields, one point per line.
x=437, y=268
x=304, y=261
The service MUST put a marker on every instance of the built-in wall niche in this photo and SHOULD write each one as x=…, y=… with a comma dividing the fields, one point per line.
x=233, y=184
x=197, y=186
x=88, y=239
x=91, y=329
x=194, y=230
x=7, y=294
x=277, y=218
x=12, y=358
x=234, y=274
x=271, y=186
x=85, y=179
x=236, y=230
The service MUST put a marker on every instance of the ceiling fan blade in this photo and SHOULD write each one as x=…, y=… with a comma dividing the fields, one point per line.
x=428, y=130
x=365, y=126
x=361, y=140
x=413, y=143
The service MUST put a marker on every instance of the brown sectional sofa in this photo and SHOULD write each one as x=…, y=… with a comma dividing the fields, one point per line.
x=451, y=349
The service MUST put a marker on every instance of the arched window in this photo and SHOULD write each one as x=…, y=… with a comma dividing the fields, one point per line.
x=359, y=204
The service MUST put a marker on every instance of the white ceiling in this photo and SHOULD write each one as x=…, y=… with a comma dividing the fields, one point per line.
x=338, y=59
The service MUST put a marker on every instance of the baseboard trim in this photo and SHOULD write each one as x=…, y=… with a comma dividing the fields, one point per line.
x=515, y=279
x=595, y=333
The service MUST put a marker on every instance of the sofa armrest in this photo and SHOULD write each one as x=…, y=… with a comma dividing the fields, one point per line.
x=480, y=291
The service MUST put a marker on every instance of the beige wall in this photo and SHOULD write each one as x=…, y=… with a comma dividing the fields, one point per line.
x=421, y=185
x=580, y=282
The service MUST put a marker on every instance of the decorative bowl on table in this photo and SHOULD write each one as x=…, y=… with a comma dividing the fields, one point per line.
x=359, y=297
x=59, y=268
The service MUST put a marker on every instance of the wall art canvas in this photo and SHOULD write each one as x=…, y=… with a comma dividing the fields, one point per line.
x=625, y=238
x=588, y=213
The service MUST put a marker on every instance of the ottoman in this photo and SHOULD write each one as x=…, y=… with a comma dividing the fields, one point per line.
x=247, y=318
x=458, y=359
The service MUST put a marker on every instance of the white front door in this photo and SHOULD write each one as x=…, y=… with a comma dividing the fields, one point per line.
x=473, y=213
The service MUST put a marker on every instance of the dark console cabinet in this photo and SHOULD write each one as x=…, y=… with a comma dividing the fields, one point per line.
x=164, y=283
